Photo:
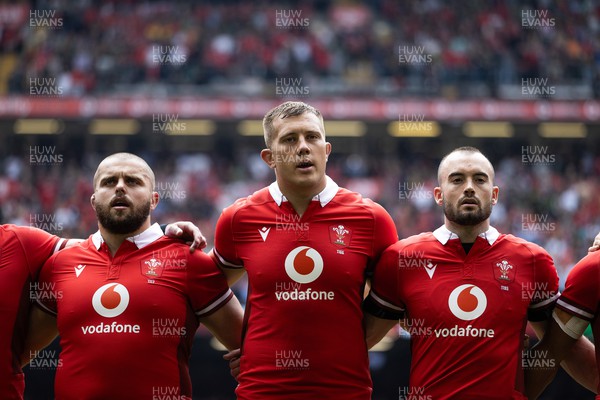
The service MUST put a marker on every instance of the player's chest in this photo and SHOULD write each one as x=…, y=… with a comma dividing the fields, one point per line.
x=140, y=288
x=464, y=289
x=297, y=251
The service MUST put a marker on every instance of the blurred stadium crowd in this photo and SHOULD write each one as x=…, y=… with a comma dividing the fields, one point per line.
x=337, y=47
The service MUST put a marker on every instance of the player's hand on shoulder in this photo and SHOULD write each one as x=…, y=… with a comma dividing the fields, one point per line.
x=596, y=244
x=185, y=230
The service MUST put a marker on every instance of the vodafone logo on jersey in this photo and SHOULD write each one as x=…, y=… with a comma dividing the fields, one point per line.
x=304, y=264
x=467, y=302
x=111, y=300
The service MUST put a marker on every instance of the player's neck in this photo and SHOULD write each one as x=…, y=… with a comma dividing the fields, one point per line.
x=467, y=233
x=115, y=240
x=299, y=203
x=300, y=198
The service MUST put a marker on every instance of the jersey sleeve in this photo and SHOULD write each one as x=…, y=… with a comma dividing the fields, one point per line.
x=582, y=289
x=383, y=300
x=385, y=234
x=38, y=246
x=545, y=286
x=207, y=286
x=224, y=252
x=46, y=295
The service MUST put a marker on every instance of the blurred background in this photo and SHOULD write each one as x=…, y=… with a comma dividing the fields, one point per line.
x=185, y=84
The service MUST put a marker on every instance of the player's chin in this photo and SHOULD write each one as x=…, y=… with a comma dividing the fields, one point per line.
x=306, y=181
x=120, y=213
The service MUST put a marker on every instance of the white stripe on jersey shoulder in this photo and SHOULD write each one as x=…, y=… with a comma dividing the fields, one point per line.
x=224, y=262
x=574, y=309
x=59, y=245
x=214, y=304
x=545, y=302
x=384, y=303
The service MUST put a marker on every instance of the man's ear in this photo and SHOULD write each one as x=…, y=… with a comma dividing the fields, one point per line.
x=438, y=195
x=92, y=198
x=155, y=200
x=495, y=193
x=268, y=158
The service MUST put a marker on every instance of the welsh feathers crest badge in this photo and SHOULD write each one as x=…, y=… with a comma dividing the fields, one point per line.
x=340, y=235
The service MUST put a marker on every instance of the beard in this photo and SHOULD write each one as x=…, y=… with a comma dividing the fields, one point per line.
x=126, y=221
x=467, y=218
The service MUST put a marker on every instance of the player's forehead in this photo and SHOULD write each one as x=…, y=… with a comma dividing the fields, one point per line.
x=306, y=122
x=119, y=167
x=466, y=163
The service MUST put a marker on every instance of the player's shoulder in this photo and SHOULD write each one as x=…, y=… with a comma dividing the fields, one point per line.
x=27, y=233
x=520, y=244
x=590, y=264
x=348, y=199
x=11, y=232
x=74, y=251
x=174, y=255
x=66, y=258
x=420, y=240
x=166, y=246
x=256, y=199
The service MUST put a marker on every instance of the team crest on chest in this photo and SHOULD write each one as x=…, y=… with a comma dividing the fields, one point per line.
x=152, y=268
x=340, y=235
x=504, y=271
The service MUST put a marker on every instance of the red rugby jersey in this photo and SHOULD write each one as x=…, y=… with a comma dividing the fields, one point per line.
x=23, y=251
x=304, y=336
x=127, y=322
x=581, y=296
x=466, y=313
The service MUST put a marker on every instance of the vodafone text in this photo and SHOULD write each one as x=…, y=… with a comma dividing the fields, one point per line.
x=292, y=292
x=114, y=327
x=469, y=331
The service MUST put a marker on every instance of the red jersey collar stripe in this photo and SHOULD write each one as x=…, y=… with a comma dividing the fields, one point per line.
x=326, y=195
x=140, y=240
x=443, y=235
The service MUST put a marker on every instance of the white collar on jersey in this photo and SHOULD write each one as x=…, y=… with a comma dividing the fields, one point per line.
x=140, y=240
x=443, y=235
x=324, y=197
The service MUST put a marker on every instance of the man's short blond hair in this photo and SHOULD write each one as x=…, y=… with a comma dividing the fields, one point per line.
x=284, y=110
